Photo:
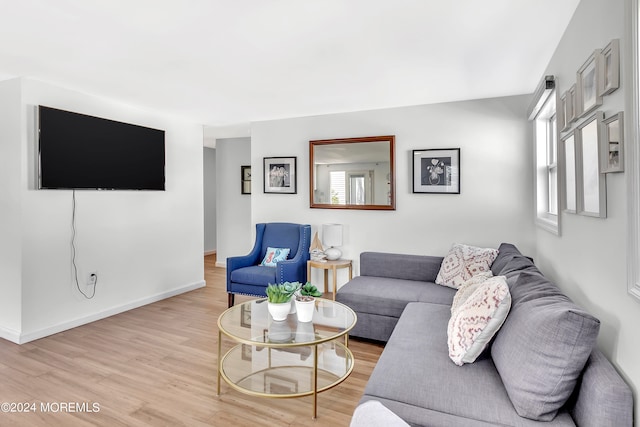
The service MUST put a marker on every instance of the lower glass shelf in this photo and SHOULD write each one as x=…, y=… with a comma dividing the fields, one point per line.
x=285, y=372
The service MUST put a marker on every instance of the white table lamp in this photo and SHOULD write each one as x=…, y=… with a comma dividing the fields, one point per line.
x=332, y=237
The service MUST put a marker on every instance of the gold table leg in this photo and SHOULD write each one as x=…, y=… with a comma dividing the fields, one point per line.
x=315, y=381
x=219, y=361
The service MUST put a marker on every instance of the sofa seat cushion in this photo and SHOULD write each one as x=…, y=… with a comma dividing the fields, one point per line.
x=542, y=347
x=415, y=378
x=260, y=275
x=388, y=297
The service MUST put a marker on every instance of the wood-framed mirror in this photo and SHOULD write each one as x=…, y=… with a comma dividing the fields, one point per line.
x=353, y=173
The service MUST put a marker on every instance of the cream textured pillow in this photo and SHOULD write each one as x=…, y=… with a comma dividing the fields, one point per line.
x=477, y=319
x=467, y=288
x=463, y=262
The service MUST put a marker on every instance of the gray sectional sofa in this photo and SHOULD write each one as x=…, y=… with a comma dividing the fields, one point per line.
x=542, y=367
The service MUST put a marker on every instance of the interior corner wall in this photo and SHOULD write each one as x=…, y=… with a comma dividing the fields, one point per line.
x=10, y=204
x=588, y=260
x=233, y=217
x=209, y=190
x=495, y=204
x=144, y=245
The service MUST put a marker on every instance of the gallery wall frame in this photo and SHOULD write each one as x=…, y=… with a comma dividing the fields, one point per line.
x=245, y=179
x=561, y=117
x=280, y=175
x=588, y=84
x=610, y=80
x=612, y=144
x=569, y=187
x=591, y=184
x=570, y=106
x=436, y=171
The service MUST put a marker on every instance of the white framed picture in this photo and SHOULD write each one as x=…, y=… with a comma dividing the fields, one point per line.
x=588, y=84
x=611, y=68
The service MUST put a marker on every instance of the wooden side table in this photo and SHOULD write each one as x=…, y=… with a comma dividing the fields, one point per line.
x=333, y=266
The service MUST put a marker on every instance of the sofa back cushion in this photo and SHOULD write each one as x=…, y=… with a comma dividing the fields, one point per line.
x=400, y=266
x=542, y=347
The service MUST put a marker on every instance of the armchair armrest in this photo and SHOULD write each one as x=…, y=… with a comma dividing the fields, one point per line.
x=252, y=258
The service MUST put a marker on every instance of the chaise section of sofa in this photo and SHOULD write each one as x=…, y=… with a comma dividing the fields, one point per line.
x=387, y=283
x=541, y=368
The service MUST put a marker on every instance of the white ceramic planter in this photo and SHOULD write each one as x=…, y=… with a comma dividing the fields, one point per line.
x=279, y=311
x=305, y=310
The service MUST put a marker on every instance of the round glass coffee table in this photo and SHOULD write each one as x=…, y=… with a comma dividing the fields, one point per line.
x=287, y=358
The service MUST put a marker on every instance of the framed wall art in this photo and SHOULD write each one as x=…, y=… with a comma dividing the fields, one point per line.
x=436, y=171
x=570, y=106
x=612, y=147
x=562, y=122
x=569, y=175
x=611, y=68
x=280, y=175
x=588, y=84
x=245, y=179
x=592, y=189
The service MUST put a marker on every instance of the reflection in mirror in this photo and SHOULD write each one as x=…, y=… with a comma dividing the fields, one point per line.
x=352, y=173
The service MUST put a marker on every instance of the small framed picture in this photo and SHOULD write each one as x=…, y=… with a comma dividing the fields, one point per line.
x=588, y=84
x=563, y=123
x=245, y=180
x=569, y=173
x=570, y=106
x=612, y=150
x=280, y=175
x=611, y=68
x=592, y=187
x=436, y=171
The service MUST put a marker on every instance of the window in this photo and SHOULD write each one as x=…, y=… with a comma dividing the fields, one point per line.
x=543, y=114
x=337, y=187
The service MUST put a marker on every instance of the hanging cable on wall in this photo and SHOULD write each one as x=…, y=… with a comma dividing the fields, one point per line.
x=73, y=250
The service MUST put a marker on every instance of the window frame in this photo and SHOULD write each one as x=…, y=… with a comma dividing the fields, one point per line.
x=544, y=115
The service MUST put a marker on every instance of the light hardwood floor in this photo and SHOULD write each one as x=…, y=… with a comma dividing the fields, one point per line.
x=155, y=366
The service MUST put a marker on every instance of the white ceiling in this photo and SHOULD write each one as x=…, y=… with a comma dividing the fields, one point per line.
x=223, y=62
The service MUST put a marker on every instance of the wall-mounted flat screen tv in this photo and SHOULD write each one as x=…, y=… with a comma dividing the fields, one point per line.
x=77, y=151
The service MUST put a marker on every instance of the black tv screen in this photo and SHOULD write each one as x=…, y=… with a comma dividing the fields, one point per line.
x=77, y=151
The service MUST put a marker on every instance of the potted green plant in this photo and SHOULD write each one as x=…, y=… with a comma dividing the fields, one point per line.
x=279, y=301
x=305, y=301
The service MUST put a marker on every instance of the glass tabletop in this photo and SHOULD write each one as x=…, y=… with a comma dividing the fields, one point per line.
x=251, y=323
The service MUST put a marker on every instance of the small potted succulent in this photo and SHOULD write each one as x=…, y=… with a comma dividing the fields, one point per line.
x=279, y=301
x=305, y=299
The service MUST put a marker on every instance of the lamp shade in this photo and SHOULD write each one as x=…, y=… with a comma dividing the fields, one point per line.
x=332, y=234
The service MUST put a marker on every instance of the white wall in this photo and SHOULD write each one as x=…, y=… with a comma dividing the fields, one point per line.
x=588, y=261
x=234, y=229
x=210, y=239
x=494, y=205
x=144, y=245
x=10, y=206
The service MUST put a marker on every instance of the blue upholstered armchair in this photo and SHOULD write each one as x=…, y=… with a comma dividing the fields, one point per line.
x=246, y=276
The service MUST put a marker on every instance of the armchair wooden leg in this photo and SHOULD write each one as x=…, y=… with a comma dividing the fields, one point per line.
x=231, y=299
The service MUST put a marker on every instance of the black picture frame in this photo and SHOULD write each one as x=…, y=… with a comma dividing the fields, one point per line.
x=436, y=171
x=245, y=179
x=280, y=175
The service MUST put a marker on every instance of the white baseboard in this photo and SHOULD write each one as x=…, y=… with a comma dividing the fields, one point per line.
x=10, y=335
x=207, y=253
x=41, y=333
x=221, y=264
